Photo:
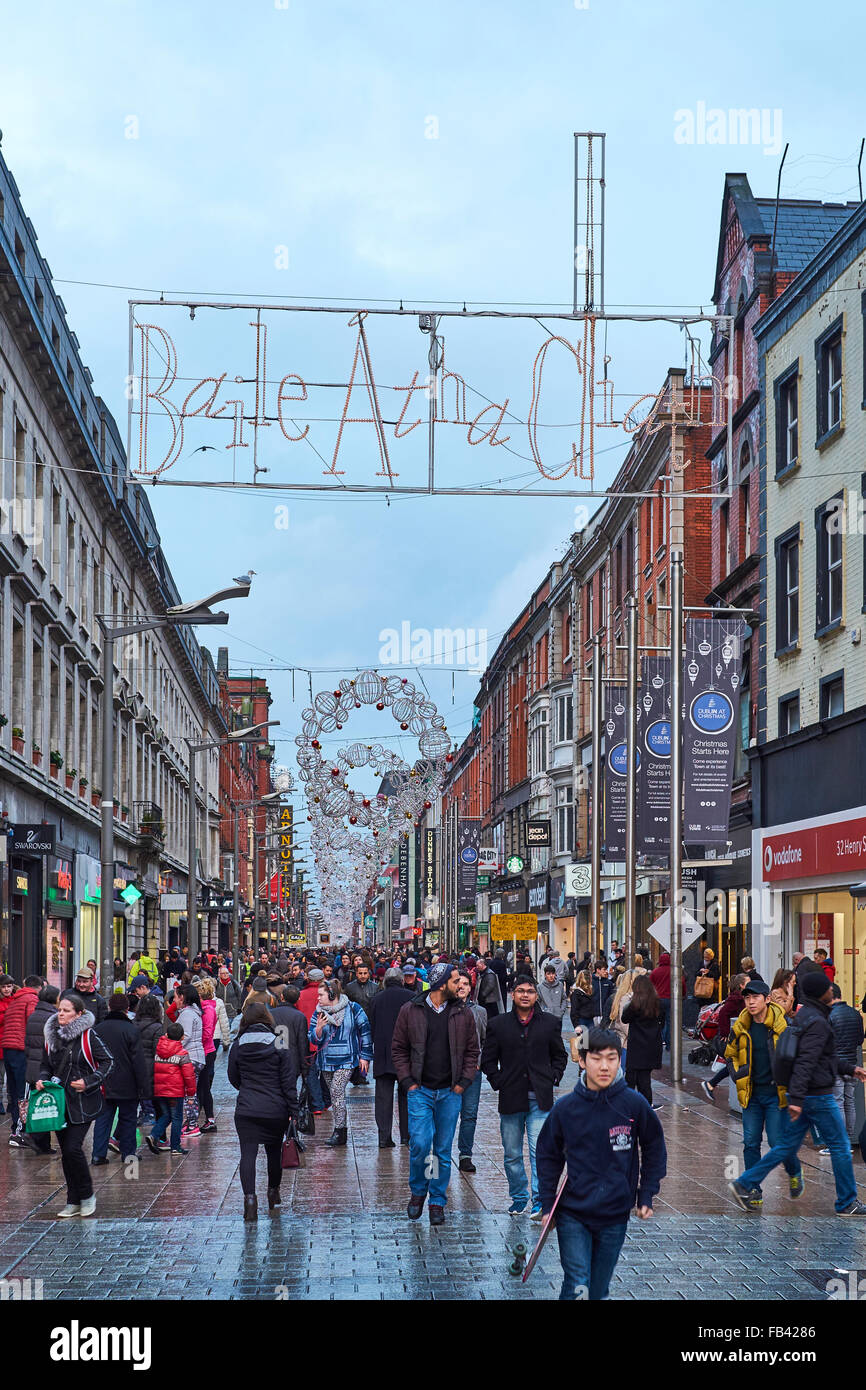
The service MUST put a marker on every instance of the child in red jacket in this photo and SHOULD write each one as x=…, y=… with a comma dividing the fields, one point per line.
x=173, y=1078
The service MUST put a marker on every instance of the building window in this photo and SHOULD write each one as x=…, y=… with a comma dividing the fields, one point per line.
x=724, y=523
x=829, y=523
x=832, y=695
x=789, y=714
x=786, y=393
x=564, y=820
x=538, y=743
x=788, y=590
x=564, y=719
x=828, y=377
x=746, y=513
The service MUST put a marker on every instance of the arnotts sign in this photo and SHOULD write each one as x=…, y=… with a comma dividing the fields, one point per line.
x=177, y=410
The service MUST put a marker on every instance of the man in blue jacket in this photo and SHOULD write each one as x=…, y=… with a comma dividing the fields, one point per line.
x=596, y=1131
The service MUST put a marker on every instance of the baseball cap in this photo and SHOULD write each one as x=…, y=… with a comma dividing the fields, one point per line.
x=138, y=981
x=757, y=987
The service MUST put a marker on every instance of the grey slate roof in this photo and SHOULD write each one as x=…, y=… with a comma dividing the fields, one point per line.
x=804, y=228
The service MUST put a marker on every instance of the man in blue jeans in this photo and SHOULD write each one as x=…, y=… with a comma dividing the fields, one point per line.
x=611, y=1143
x=523, y=1058
x=811, y=1101
x=434, y=1051
x=751, y=1045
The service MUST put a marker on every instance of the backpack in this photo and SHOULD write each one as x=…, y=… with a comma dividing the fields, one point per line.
x=785, y=1055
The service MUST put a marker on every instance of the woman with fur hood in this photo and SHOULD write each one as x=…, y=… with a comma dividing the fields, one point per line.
x=78, y=1059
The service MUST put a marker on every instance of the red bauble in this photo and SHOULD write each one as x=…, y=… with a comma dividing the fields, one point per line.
x=338, y=694
x=366, y=801
x=404, y=726
x=353, y=820
x=380, y=704
x=427, y=805
x=315, y=743
x=449, y=757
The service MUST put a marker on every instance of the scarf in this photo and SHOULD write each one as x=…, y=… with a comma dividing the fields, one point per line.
x=335, y=1010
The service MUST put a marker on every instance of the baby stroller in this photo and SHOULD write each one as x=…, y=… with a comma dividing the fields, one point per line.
x=705, y=1032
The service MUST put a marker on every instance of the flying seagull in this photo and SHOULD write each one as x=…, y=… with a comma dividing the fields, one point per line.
x=205, y=448
x=244, y=578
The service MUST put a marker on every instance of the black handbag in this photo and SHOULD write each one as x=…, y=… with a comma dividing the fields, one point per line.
x=306, y=1123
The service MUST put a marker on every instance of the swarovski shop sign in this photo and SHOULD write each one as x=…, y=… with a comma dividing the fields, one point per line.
x=710, y=727
x=31, y=839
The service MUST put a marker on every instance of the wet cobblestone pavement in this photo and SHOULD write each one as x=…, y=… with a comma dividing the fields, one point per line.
x=174, y=1230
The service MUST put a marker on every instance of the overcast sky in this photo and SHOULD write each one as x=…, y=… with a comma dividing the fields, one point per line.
x=367, y=152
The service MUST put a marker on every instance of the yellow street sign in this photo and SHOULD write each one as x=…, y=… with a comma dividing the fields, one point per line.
x=504, y=926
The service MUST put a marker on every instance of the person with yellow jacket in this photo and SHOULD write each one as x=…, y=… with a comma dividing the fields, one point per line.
x=749, y=1054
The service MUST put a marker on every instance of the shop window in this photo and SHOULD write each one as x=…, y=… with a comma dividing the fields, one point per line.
x=829, y=524
x=564, y=820
x=786, y=393
x=789, y=714
x=832, y=700
x=828, y=381
x=787, y=547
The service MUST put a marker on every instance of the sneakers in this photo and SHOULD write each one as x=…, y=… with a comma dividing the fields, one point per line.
x=98, y=1162
x=190, y=1133
x=88, y=1206
x=17, y=1141
x=796, y=1186
x=537, y=1212
x=517, y=1208
x=437, y=1215
x=114, y=1146
x=179, y=1153
x=825, y=1152
x=707, y=1090
x=208, y=1127
x=415, y=1206
x=71, y=1209
x=749, y=1198
x=163, y=1145
x=466, y=1165
x=657, y=1104
x=152, y=1144
x=855, y=1209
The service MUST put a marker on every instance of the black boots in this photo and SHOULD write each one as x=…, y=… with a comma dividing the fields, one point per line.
x=251, y=1209
x=274, y=1198
x=338, y=1139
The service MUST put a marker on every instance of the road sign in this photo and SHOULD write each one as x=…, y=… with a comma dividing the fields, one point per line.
x=578, y=880
x=505, y=925
x=661, y=929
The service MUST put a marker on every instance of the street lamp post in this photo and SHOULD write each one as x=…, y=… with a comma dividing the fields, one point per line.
x=267, y=800
x=180, y=615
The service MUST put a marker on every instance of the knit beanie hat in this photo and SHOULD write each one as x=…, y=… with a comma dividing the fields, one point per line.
x=441, y=972
x=814, y=984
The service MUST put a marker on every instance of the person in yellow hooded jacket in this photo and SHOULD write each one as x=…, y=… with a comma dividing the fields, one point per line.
x=749, y=1054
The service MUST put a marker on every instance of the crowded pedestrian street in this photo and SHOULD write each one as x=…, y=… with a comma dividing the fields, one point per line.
x=173, y=1230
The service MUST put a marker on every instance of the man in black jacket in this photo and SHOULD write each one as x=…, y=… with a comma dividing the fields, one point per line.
x=383, y=1016
x=810, y=1100
x=602, y=988
x=487, y=992
x=127, y=1083
x=847, y=1025
x=523, y=1059
x=291, y=1026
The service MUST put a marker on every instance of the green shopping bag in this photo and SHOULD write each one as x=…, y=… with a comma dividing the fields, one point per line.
x=46, y=1109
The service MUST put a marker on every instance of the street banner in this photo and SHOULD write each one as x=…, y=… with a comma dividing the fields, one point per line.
x=430, y=851
x=654, y=769
x=468, y=845
x=504, y=926
x=614, y=772
x=711, y=680
x=403, y=873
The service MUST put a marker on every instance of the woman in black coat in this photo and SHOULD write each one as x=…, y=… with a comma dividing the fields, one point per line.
x=582, y=1006
x=151, y=1026
x=266, y=1079
x=644, y=1049
x=77, y=1057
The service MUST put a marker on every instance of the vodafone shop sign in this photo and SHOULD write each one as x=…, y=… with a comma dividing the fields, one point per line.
x=824, y=849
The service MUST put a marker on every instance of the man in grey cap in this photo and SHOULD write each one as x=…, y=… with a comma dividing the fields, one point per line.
x=410, y=978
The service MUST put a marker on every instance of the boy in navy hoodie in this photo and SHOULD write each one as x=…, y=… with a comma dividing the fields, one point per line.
x=596, y=1130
